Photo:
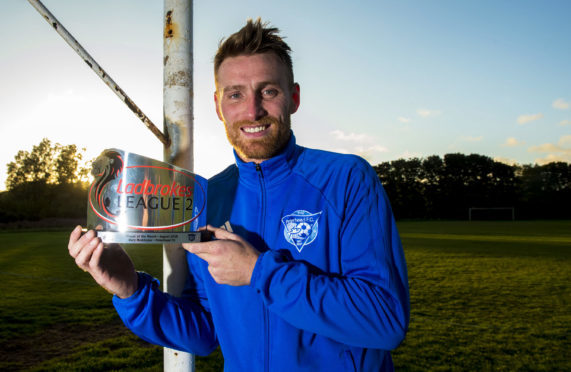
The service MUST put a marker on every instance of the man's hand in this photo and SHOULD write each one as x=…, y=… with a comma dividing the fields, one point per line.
x=109, y=265
x=230, y=258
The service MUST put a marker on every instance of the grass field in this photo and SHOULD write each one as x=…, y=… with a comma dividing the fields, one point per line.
x=484, y=295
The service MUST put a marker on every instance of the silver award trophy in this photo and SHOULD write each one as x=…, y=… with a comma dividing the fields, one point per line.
x=139, y=200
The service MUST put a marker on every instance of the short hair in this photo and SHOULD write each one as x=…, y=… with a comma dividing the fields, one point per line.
x=254, y=38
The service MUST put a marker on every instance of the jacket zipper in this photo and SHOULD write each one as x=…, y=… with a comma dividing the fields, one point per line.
x=262, y=228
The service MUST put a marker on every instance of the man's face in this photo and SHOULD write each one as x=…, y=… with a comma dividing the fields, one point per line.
x=254, y=99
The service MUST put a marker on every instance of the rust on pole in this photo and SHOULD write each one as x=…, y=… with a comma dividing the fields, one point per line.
x=61, y=30
x=178, y=124
x=177, y=82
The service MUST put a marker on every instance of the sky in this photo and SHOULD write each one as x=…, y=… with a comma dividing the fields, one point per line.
x=381, y=79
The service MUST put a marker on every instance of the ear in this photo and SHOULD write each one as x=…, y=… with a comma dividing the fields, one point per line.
x=295, y=100
x=217, y=106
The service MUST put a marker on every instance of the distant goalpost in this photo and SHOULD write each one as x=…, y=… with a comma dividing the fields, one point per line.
x=492, y=213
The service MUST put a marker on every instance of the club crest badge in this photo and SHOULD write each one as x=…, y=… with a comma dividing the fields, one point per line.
x=301, y=228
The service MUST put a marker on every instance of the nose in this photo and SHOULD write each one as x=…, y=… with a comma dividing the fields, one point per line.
x=255, y=108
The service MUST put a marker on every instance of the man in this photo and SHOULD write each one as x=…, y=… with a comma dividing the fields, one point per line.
x=309, y=273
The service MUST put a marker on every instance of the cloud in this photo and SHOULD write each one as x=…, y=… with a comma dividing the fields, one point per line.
x=565, y=122
x=512, y=142
x=409, y=155
x=560, y=104
x=370, y=153
x=555, y=152
x=471, y=138
x=342, y=150
x=553, y=158
x=522, y=119
x=546, y=147
x=351, y=137
x=507, y=161
x=427, y=113
x=403, y=119
x=376, y=148
x=563, y=145
x=359, y=144
x=565, y=140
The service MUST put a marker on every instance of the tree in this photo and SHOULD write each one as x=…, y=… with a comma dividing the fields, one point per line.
x=67, y=165
x=432, y=170
x=475, y=181
x=47, y=164
x=403, y=182
x=546, y=190
x=47, y=182
x=446, y=188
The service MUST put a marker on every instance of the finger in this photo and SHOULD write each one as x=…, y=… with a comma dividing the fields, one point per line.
x=80, y=243
x=204, y=256
x=96, y=255
x=84, y=250
x=83, y=257
x=74, y=236
x=198, y=248
x=87, y=237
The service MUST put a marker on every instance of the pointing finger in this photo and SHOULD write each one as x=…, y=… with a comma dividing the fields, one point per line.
x=198, y=248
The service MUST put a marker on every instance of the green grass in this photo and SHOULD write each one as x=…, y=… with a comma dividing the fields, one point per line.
x=53, y=316
x=487, y=296
x=484, y=296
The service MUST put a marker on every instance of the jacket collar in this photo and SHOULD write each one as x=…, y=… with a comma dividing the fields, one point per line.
x=273, y=170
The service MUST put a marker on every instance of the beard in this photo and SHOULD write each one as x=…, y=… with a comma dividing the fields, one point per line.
x=263, y=148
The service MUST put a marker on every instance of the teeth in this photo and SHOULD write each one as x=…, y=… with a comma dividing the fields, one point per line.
x=254, y=129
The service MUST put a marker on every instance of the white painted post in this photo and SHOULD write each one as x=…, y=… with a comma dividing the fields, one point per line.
x=178, y=125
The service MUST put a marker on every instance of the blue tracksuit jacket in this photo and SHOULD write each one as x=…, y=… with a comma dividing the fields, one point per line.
x=328, y=293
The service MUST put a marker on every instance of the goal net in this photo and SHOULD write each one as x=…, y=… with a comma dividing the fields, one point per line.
x=491, y=214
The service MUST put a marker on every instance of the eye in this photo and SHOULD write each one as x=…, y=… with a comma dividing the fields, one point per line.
x=234, y=95
x=270, y=92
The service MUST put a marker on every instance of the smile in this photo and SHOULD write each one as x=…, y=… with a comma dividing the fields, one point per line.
x=255, y=129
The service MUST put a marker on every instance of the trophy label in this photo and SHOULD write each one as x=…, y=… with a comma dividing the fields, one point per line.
x=144, y=199
x=136, y=237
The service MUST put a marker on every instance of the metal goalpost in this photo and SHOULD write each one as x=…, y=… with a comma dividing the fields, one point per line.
x=472, y=209
x=178, y=123
x=177, y=137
